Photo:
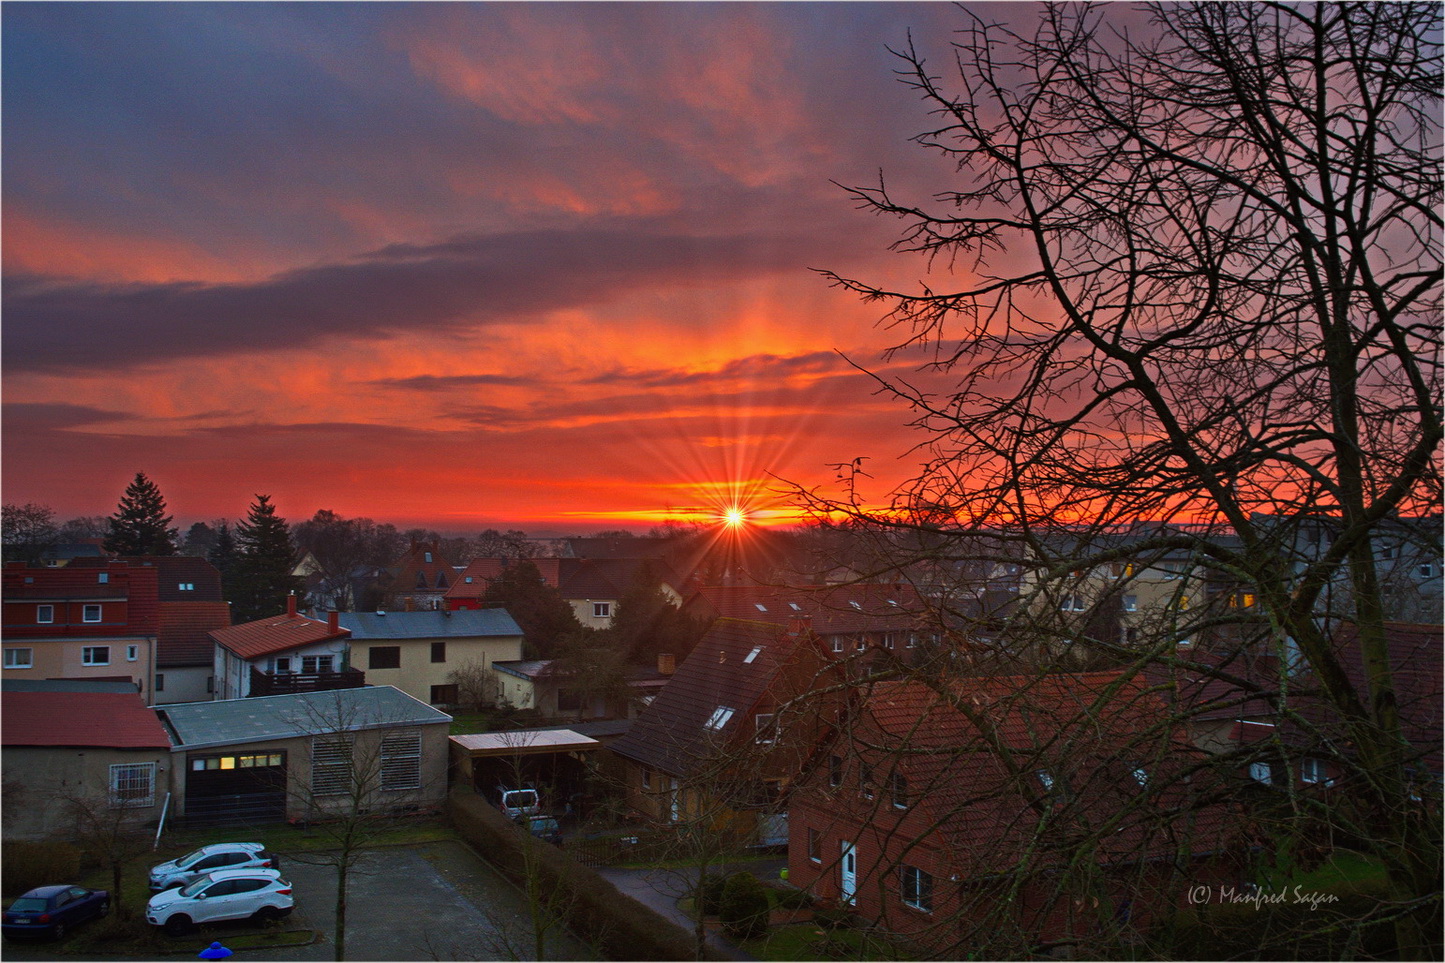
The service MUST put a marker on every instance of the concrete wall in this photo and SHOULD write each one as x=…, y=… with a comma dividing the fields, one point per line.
x=41, y=782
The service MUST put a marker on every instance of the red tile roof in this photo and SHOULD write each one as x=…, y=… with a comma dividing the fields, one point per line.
x=183, y=636
x=111, y=720
x=833, y=609
x=251, y=640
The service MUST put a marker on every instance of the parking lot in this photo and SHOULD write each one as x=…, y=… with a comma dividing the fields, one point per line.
x=434, y=901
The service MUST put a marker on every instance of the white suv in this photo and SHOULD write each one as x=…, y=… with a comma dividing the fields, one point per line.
x=229, y=894
x=209, y=859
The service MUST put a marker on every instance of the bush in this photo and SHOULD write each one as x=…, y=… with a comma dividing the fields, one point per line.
x=793, y=899
x=30, y=864
x=745, y=907
x=710, y=893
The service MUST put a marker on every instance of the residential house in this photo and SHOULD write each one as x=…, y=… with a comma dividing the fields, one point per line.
x=421, y=652
x=282, y=654
x=69, y=743
x=1006, y=815
x=304, y=755
x=552, y=688
x=81, y=622
x=591, y=586
x=728, y=732
x=421, y=578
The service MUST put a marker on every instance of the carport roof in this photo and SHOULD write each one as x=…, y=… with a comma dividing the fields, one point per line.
x=524, y=741
x=234, y=721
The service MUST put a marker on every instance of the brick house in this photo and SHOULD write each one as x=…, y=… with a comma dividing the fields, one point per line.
x=1003, y=815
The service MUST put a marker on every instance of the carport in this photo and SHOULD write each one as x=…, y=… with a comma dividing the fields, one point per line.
x=556, y=762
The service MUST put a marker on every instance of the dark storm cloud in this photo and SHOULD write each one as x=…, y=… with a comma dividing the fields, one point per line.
x=57, y=417
x=414, y=288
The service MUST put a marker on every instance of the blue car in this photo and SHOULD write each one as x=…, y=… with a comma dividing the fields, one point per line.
x=51, y=910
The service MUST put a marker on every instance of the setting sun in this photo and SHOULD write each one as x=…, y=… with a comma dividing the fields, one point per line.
x=734, y=517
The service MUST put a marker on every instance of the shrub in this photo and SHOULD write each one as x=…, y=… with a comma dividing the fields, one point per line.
x=31, y=864
x=745, y=907
x=793, y=899
x=710, y=893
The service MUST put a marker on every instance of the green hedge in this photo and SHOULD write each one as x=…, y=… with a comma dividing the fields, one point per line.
x=744, y=908
x=618, y=926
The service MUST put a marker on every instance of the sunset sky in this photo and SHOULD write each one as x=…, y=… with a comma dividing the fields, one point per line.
x=459, y=265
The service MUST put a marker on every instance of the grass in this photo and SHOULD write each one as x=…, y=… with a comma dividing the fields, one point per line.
x=1342, y=868
x=807, y=942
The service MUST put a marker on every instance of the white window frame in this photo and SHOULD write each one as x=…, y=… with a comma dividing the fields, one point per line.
x=132, y=784
x=766, y=726
x=88, y=655
x=316, y=662
x=44, y=614
x=916, y=888
x=837, y=643
x=93, y=607
x=719, y=718
x=1314, y=771
x=602, y=610
x=13, y=657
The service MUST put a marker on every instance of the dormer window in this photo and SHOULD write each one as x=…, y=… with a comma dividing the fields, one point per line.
x=720, y=717
x=427, y=557
x=186, y=587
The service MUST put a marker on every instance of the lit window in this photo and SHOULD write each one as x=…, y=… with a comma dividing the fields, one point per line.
x=91, y=613
x=133, y=784
x=917, y=888
x=18, y=658
x=719, y=718
x=601, y=610
x=95, y=655
x=44, y=613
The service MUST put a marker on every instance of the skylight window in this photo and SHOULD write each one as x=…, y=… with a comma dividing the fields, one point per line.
x=720, y=718
x=856, y=605
x=795, y=606
x=753, y=654
x=760, y=606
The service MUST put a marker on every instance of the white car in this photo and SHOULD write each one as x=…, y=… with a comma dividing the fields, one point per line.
x=229, y=894
x=208, y=859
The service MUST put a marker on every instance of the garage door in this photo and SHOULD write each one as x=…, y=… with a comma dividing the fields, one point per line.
x=236, y=787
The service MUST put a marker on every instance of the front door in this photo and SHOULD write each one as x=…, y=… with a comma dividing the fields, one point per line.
x=848, y=873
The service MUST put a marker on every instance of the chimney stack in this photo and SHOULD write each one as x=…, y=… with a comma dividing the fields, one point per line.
x=333, y=620
x=291, y=605
x=666, y=663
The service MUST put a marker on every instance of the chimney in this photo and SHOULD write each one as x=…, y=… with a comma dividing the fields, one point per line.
x=333, y=620
x=291, y=605
x=666, y=663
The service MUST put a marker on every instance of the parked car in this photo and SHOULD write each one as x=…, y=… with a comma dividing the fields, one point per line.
x=208, y=859
x=544, y=827
x=516, y=803
x=227, y=894
x=51, y=910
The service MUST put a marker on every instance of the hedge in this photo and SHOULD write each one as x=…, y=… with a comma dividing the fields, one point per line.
x=618, y=926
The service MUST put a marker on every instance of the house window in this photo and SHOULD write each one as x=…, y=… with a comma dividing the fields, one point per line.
x=384, y=657
x=753, y=654
x=103, y=578
x=887, y=640
x=1072, y=603
x=861, y=644
x=330, y=766
x=186, y=587
x=132, y=652
x=438, y=651
x=766, y=730
x=133, y=784
x=426, y=556
x=601, y=610
x=815, y=845
x=912, y=640
x=91, y=613
x=160, y=682
x=1426, y=571
x=18, y=658
x=865, y=780
x=569, y=700
x=401, y=760
x=1141, y=776
x=44, y=613
x=719, y=718
x=1261, y=772
x=95, y=655
x=898, y=790
x=917, y=888
x=312, y=664
x=421, y=579
x=646, y=779
x=760, y=606
x=283, y=664
x=835, y=771
x=837, y=643
x=210, y=684
x=444, y=695
x=1131, y=603
x=1313, y=770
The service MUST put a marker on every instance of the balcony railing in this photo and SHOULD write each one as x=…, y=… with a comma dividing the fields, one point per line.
x=285, y=683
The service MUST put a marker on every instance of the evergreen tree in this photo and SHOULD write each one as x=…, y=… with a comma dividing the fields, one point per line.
x=546, y=619
x=265, y=559
x=646, y=623
x=224, y=557
x=140, y=525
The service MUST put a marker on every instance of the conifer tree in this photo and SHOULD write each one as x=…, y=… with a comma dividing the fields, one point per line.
x=223, y=556
x=265, y=558
x=140, y=525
